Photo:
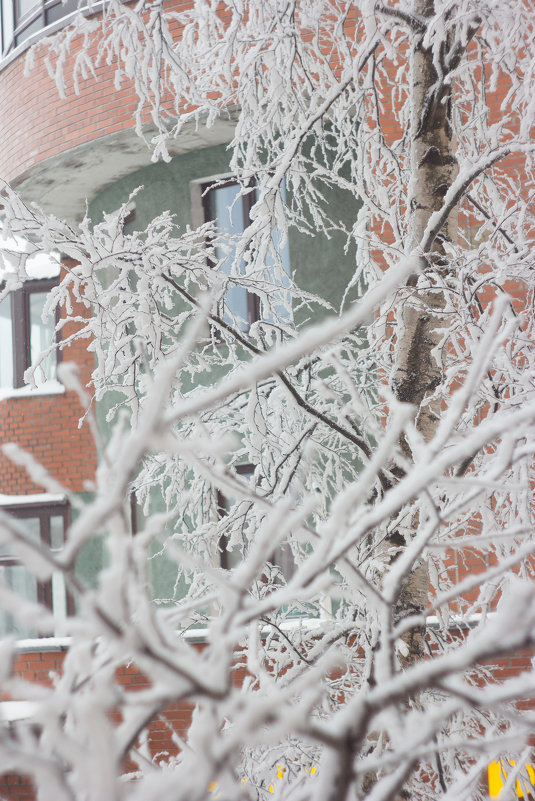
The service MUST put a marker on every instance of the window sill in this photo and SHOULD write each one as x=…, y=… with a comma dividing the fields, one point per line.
x=38, y=498
x=48, y=388
x=43, y=644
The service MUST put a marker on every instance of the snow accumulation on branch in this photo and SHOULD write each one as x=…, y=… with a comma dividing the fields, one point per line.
x=321, y=483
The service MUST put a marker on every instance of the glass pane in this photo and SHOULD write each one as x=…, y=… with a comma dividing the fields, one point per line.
x=24, y=6
x=20, y=581
x=7, y=23
x=227, y=209
x=56, y=532
x=281, y=298
x=28, y=30
x=32, y=528
x=232, y=556
x=228, y=212
x=41, y=337
x=59, y=596
x=6, y=344
x=60, y=10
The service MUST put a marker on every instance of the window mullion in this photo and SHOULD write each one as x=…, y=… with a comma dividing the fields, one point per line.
x=21, y=339
x=253, y=301
x=45, y=587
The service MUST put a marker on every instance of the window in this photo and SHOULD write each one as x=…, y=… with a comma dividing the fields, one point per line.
x=22, y=18
x=223, y=204
x=23, y=334
x=45, y=523
x=230, y=556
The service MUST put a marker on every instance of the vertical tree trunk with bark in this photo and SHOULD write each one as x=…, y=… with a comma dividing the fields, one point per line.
x=424, y=319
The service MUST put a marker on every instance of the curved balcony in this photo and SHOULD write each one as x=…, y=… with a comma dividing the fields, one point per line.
x=59, y=152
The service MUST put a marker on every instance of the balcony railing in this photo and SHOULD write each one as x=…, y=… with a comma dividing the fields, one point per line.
x=21, y=19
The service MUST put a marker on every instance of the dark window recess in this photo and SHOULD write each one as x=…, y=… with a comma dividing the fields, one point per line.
x=230, y=558
x=282, y=556
x=47, y=524
x=129, y=220
x=23, y=334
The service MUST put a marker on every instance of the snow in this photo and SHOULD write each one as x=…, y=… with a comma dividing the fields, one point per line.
x=35, y=498
x=50, y=387
x=36, y=264
x=334, y=461
x=16, y=710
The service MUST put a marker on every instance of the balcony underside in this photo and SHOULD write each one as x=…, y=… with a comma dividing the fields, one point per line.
x=64, y=183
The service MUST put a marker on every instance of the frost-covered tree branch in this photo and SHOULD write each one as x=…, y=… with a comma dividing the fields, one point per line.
x=368, y=477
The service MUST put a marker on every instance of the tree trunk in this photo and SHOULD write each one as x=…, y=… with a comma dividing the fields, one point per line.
x=423, y=323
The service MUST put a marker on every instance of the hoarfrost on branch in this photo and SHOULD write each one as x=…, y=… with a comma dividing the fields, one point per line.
x=391, y=445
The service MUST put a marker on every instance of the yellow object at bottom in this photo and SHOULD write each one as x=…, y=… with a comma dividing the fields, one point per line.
x=498, y=776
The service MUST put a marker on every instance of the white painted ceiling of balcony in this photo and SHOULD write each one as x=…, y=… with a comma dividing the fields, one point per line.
x=61, y=184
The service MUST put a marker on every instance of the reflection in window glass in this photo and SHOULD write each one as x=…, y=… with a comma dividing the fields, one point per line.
x=24, y=6
x=230, y=211
x=41, y=337
x=281, y=297
x=28, y=30
x=24, y=335
x=44, y=524
x=56, y=532
x=7, y=24
x=31, y=16
x=229, y=217
x=17, y=578
x=231, y=554
x=59, y=594
x=6, y=344
x=32, y=529
x=61, y=10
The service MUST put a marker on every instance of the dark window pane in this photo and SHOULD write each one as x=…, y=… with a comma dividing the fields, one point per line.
x=60, y=10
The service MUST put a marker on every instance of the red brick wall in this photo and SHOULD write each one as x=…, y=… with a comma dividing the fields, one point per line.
x=38, y=124
x=38, y=666
x=33, y=666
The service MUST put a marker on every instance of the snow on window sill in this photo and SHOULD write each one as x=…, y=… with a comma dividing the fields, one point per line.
x=11, y=711
x=43, y=644
x=25, y=500
x=48, y=388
